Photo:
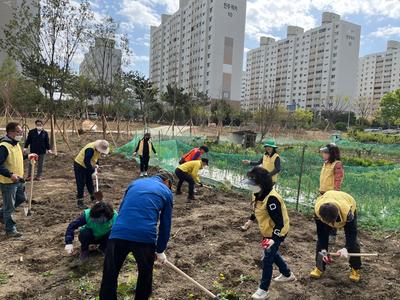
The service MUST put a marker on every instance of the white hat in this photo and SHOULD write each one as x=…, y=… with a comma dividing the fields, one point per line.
x=102, y=146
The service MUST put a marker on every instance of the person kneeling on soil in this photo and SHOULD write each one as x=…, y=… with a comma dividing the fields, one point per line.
x=273, y=220
x=146, y=202
x=335, y=209
x=189, y=172
x=95, y=226
x=85, y=165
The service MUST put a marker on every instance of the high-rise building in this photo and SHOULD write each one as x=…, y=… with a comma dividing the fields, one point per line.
x=313, y=70
x=102, y=62
x=378, y=73
x=200, y=48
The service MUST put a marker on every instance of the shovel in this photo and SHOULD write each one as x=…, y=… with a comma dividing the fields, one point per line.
x=322, y=254
x=98, y=195
x=198, y=285
x=32, y=159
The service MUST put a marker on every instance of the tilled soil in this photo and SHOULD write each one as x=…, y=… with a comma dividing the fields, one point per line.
x=206, y=243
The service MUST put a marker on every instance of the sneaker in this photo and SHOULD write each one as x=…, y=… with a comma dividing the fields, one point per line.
x=145, y=174
x=38, y=178
x=247, y=225
x=283, y=278
x=84, y=255
x=81, y=205
x=316, y=273
x=260, y=295
x=355, y=275
x=191, y=198
x=14, y=234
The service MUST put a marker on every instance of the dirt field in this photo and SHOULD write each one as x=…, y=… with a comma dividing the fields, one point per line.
x=206, y=243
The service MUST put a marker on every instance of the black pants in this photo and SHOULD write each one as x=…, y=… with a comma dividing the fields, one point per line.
x=83, y=178
x=144, y=163
x=116, y=253
x=87, y=238
x=182, y=178
x=352, y=245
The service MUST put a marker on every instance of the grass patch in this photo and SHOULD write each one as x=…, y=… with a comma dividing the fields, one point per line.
x=4, y=277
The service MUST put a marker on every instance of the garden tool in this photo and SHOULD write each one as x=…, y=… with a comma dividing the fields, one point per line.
x=324, y=254
x=98, y=195
x=198, y=285
x=33, y=158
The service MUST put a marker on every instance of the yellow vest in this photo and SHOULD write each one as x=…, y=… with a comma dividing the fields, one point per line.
x=140, y=151
x=14, y=162
x=192, y=167
x=265, y=222
x=269, y=165
x=327, y=177
x=343, y=201
x=80, y=158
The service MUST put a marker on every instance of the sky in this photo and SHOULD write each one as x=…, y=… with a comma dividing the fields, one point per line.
x=379, y=20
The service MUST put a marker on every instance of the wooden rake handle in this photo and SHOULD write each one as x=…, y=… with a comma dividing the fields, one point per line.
x=356, y=254
x=33, y=163
x=183, y=274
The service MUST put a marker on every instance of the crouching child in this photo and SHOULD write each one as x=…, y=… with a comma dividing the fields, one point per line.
x=95, y=226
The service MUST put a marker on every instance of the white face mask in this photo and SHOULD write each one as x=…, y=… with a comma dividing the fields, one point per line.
x=39, y=128
x=18, y=138
x=255, y=188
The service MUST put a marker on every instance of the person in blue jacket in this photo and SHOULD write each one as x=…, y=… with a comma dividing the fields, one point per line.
x=146, y=203
x=95, y=226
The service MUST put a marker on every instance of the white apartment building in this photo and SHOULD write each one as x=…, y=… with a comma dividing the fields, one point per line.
x=313, y=70
x=102, y=62
x=378, y=74
x=200, y=48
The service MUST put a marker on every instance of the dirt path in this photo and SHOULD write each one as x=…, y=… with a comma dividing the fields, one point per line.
x=206, y=243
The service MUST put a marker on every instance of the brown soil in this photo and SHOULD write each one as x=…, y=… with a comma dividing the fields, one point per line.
x=206, y=242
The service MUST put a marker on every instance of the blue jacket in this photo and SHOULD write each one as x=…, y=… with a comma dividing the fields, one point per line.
x=146, y=201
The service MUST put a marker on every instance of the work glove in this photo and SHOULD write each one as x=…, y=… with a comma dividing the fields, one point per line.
x=343, y=253
x=69, y=248
x=327, y=258
x=267, y=243
x=33, y=156
x=25, y=150
x=161, y=258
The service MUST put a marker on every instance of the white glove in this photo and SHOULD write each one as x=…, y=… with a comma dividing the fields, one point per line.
x=49, y=151
x=161, y=258
x=343, y=253
x=69, y=248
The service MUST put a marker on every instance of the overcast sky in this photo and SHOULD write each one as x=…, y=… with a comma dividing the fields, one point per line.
x=380, y=20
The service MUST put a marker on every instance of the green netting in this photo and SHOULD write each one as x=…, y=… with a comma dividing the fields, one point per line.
x=376, y=189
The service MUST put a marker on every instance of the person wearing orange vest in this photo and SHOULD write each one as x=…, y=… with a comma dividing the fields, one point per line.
x=194, y=154
x=270, y=162
x=336, y=209
x=85, y=164
x=145, y=149
x=12, y=184
x=273, y=220
x=332, y=174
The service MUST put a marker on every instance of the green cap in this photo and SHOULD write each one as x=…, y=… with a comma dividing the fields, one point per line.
x=270, y=143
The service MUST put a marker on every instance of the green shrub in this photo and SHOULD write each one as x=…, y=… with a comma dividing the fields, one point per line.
x=341, y=126
x=365, y=162
x=370, y=137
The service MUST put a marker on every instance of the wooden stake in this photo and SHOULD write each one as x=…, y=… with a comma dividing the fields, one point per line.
x=54, y=136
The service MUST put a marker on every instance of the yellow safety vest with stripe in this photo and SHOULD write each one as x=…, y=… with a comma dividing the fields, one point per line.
x=14, y=162
x=269, y=165
x=327, y=177
x=140, y=150
x=343, y=201
x=192, y=167
x=80, y=158
x=265, y=223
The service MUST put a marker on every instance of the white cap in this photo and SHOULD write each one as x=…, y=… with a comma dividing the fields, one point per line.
x=102, y=146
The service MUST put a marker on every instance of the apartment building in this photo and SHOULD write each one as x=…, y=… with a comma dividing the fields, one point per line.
x=378, y=74
x=314, y=69
x=200, y=48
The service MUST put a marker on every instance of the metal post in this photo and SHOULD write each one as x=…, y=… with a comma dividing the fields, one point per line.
x=300, y=176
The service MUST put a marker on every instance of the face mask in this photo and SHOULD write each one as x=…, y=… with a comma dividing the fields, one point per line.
x=39, y=128
x=255, y=188
x=18, y=138
x=205, y=167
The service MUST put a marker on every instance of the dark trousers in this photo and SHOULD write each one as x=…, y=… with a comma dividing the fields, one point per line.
x=182, y=178
x=13, y=196
x=39, y=165
x=144, y=163
x=83, y=178
x=116, y=253
x=272, y=256
x=352, y=245
x=87, y=238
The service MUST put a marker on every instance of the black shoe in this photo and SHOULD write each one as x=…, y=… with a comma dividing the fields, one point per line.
x=191, y=198
x=81, y=205
x=14, y=234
